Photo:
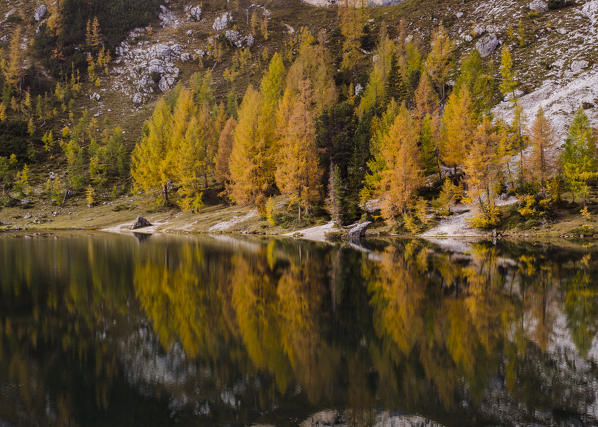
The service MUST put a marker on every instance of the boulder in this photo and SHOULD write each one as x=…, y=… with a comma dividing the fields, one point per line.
x=185, y=57
x=40, y=12
x=137, y=98
x=487, y=45
x=539, y=6
x=141, y=222
x=95, y=96
x=193, y=12
x=221, y=22
x=357, y=230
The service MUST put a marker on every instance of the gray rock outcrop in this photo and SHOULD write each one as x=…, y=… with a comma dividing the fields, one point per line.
x=237, y=39
x=487, y=45
x=357, y=230
x=40, y=12
x=221, y=22
x=193, y=13
x=142, y=69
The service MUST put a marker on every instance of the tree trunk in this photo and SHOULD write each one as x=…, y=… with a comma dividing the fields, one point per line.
x=299, y=211
x=165, y=193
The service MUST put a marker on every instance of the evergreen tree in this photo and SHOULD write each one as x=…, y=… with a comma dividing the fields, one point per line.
x=579, y=156
x=543, y=158
x=12, y=69
x=458, y=127
x=225, y=146
x=352, y=23
x=195, y=155
x=376, y=164
x=374, y=94
x=439, y=61
x=402, y=173
x=251, y=167
x=508, y=83
x=426, y=99
x=479, y=80
x=298, y=173
x=151, y=162
x=429, y=149
x=480, y=164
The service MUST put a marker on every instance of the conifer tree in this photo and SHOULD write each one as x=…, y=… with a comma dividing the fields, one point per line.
x=352, y=23
x=402, y=173
x=225, y=146
x=508, y=83
x=426, y=99
x=313, y=62
x=518, y=139
x=543, y=158
x=95, y=39
x=264, y=27
x=254, y=23
x=8, y=169
x=250, y=163
x=579, y=156
x=298, y=174
x=380, y=128
x=195, y=154
x=480, y=164
x=458, y=127
x=334, y=201
x=479, y=79
x=439, y=61
x=151, y=164
x=13, y=68
x=374, y=94
x=429, y=149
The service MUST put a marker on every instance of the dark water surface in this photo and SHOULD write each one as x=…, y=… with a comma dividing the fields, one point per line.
x=105, y=330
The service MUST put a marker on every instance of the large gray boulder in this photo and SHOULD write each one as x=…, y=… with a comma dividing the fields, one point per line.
x=193, y=12
x=40, y=12
x=140, y=222
x=222, y=21
x=357, y=231
x=487, y=45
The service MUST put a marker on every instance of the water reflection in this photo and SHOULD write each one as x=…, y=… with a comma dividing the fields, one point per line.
x=110, y=330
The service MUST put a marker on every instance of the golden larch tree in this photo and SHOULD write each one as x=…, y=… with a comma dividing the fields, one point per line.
x=251, y=168
x=543, y=142
x=225, y=146
x=426, y=100
x=151, y=166
x=458, y=127
x=12, y=68
x=298, y=174
x=402, y=173
x=480, y=165
x=439, y=61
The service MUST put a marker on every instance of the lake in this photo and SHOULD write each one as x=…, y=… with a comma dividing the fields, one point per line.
x=112, y=330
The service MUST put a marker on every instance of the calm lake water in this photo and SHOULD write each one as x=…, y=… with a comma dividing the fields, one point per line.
x=104, y=330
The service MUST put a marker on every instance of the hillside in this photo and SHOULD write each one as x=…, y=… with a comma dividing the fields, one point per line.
x=555, y=64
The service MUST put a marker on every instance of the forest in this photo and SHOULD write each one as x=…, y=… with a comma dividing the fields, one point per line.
x=417, y=139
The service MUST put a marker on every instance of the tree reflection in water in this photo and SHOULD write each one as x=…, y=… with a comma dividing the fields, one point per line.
x=99, y=329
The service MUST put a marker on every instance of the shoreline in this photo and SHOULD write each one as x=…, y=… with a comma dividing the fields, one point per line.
x=118, y=216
